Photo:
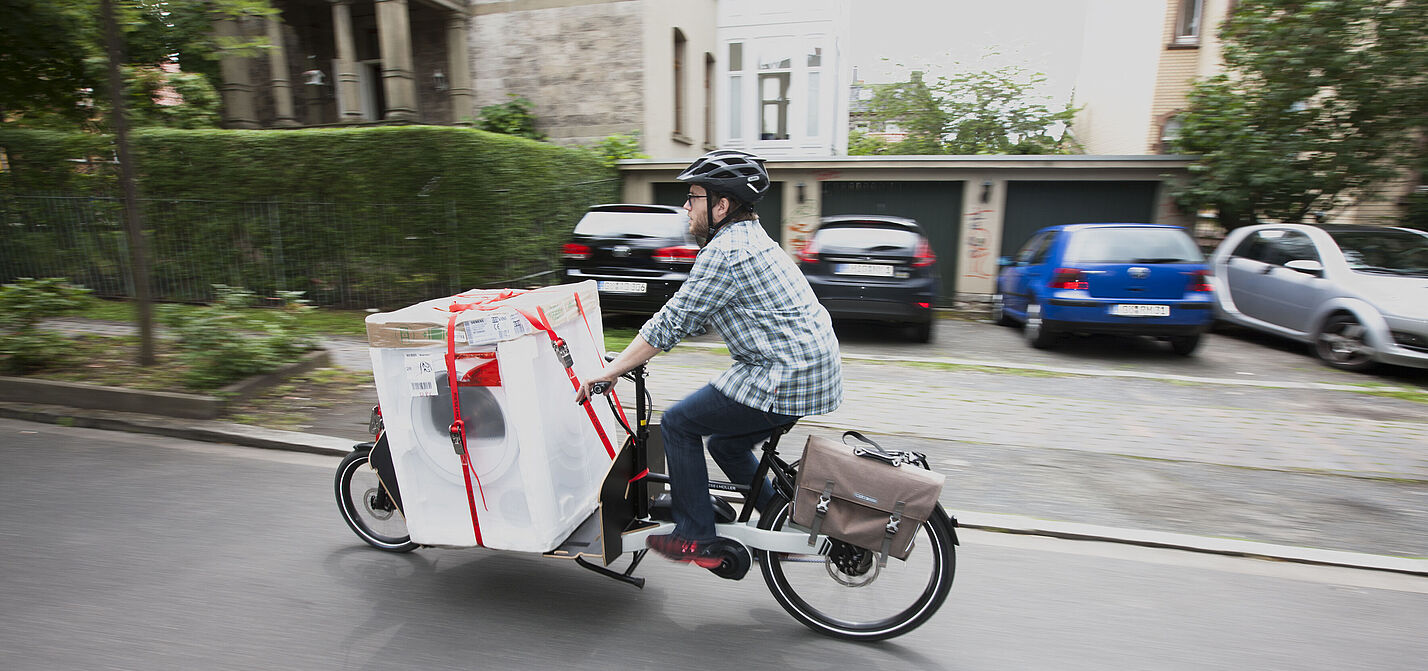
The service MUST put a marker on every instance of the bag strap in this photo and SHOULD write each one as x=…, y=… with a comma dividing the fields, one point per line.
x=894, y=521
x=873, y=450
x=820, y=510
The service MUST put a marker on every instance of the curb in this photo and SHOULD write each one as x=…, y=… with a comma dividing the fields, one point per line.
x=294, y=441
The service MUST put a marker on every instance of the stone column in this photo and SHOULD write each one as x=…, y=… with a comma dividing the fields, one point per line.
x=458, y=65
x=349, y=105
x=399, y=84
x=238, y=108
x=281, y=87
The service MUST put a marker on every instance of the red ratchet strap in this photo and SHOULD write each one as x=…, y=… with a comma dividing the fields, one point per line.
x=618, y=408
x=458, y=426
x=562, y=351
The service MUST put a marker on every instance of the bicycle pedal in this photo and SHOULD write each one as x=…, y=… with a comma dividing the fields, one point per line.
x=734, y=559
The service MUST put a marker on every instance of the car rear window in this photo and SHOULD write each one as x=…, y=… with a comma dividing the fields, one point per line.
x=603, y=224
x=866, y=238
x=1132, y=245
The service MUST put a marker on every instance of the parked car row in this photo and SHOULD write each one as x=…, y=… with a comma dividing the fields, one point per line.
x=860, y=267
x=1358, y=295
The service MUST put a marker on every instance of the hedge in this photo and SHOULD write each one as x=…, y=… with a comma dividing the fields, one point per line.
x=352, y=216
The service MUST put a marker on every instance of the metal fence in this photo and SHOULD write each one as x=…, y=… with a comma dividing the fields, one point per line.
x=355, y=255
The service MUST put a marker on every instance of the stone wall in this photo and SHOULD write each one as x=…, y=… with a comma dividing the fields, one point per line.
x=581, y=65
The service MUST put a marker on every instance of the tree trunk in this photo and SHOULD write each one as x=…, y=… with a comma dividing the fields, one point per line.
x=138, y=246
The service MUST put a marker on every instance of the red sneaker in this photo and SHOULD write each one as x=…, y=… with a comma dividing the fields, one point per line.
x=674, y=548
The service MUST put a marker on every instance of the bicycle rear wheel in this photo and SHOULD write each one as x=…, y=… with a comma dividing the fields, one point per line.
x=845, y=595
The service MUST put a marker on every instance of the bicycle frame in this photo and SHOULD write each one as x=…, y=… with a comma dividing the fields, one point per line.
x=636, y=501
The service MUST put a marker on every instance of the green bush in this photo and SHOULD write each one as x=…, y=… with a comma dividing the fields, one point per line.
x=220, y=345
x=404, y=212
x=23, y=305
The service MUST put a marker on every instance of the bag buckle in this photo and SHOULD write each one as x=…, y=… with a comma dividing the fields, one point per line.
x=823, y=502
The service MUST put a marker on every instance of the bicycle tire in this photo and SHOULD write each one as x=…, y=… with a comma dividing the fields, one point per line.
x=838, y=609
x=358, y=511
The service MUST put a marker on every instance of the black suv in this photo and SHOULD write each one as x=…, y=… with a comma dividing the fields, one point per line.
x=873, y=267
x=639, y=254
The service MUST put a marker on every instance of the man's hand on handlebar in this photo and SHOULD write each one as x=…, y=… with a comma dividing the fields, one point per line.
x=592, y=387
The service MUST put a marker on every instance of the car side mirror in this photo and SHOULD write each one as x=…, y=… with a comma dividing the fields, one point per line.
x=1306, y=266
x=1004, y=261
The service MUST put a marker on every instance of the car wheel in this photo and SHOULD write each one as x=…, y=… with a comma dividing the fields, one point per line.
x=1185, y=345
x=922, y=332
x=1036, y=332
x=1341, y=344
x=999, y=313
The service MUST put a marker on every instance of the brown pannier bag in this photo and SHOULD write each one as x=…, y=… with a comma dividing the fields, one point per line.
x=864, y=495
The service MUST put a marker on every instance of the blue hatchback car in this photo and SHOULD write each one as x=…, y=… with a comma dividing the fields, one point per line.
x=1137, y=279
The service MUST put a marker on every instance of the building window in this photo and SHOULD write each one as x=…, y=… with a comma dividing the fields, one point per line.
x=815, y=63
x=679, y=43
x=774, y=77
x=736, y=97
x=1187, y=23
x=1170, y=132
x=708, y=98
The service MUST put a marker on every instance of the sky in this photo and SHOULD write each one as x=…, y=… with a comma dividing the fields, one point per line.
x=890, y=38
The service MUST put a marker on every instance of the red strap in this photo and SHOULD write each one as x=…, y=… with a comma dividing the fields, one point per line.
x=618, y=408
x=458, y=427
x=556, y=341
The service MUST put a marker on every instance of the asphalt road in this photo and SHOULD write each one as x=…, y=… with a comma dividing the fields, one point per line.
x=125, y=551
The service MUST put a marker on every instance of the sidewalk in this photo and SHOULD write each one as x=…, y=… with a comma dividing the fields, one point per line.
x=1206, y=459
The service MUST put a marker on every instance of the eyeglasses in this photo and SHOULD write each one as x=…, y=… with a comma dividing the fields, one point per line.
x=689, y=197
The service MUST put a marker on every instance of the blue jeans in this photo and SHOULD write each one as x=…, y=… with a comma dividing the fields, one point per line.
x=733, y=429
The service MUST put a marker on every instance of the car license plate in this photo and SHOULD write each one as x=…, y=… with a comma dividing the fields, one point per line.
x=869, y=269
x=1140, y=310
x=622, y=287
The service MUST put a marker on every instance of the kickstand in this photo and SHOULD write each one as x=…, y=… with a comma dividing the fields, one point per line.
x=622, y=577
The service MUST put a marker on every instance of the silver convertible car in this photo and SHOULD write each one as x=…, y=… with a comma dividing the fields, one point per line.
x=1357, y=294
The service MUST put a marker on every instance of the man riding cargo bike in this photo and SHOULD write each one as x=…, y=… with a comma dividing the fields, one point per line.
x=830, y=569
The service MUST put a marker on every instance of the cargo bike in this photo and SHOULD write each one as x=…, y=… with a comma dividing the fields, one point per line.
x=830, y=585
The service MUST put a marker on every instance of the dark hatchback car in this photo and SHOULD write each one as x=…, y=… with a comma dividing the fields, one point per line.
x=874, y=268
x=1136, y=279
x=639, y=255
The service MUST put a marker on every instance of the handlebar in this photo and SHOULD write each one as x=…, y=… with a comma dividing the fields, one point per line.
x=600, y=387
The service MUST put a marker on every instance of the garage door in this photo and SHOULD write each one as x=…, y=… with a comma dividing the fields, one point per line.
x=937, y=206
x=1035, y=205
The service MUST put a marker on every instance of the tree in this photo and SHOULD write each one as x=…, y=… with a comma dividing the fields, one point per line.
x=53, y=60
x=989, y=112
x=513, y=117
x=1319, y=103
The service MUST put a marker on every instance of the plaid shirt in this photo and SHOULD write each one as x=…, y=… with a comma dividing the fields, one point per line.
x=781, y=339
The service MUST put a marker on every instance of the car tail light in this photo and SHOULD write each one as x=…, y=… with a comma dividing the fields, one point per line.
x=680, y=254
x=809, y=253
x=1069, y=278
x=575, y=251
x=923, y=256
x=1199, y=281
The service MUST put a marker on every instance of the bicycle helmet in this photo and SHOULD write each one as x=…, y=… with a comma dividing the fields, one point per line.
x=736, y=174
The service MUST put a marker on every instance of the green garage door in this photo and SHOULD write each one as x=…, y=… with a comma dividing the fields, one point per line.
x=770, y=209
x=1035, y=205
x=937, y=206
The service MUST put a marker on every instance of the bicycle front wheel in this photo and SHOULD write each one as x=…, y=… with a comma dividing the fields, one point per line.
x=846, y=595
x=367, y=508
